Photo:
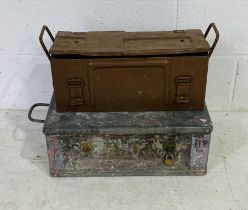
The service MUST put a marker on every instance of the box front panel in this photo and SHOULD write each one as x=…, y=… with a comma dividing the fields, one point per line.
x=130, y=84
x=117, y=155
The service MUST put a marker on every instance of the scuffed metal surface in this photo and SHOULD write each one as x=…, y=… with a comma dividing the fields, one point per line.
x=126, y=122
x=118, y=144
x=112, y=155
x=199, y=151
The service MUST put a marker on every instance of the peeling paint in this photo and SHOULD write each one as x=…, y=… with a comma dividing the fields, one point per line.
x=118, y=144
x=127, y=155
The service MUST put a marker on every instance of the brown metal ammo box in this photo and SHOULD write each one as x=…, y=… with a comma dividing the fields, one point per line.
x=129, y=71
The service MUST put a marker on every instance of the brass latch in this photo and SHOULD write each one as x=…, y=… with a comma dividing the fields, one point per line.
x=76, y=91
x=183, y=84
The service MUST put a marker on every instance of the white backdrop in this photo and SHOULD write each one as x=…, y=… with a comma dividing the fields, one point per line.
x=25, y=76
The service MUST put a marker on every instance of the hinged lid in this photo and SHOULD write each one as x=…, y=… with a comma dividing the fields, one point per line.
x=120, y=123
x=120, y=43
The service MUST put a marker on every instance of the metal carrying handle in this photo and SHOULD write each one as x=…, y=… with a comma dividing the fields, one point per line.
x=45, y=28
x=31, y=110
x=212, y=25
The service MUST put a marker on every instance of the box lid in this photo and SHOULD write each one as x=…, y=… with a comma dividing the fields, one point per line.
x=120, y=43
x=118, y=123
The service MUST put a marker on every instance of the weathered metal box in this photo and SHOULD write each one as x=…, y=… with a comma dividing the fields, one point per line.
x=129, y=71
x=127, y=143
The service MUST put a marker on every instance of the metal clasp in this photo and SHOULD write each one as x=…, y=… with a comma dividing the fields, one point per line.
x=76, y=91
x=183, y=84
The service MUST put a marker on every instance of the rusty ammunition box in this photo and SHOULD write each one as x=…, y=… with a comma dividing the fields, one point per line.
x=129, y=71
x=126, y=143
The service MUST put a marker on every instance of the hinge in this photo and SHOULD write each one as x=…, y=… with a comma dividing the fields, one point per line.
x=75, y=87
x=183, y=84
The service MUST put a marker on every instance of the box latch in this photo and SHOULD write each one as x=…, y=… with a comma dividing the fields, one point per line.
x=183, y=84
x=76, y=91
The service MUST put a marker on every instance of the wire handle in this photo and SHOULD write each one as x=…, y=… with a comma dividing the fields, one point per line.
x=45, y=28
x=212, y=25
x=31, y=110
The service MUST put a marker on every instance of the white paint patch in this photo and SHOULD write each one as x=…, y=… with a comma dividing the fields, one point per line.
x=203, y=120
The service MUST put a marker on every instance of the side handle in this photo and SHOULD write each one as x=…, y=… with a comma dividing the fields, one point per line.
x=31, y=110
x=45, y=28
x=217, y=36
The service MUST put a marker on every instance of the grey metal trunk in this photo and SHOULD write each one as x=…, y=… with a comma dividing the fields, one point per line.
x=127, y=143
